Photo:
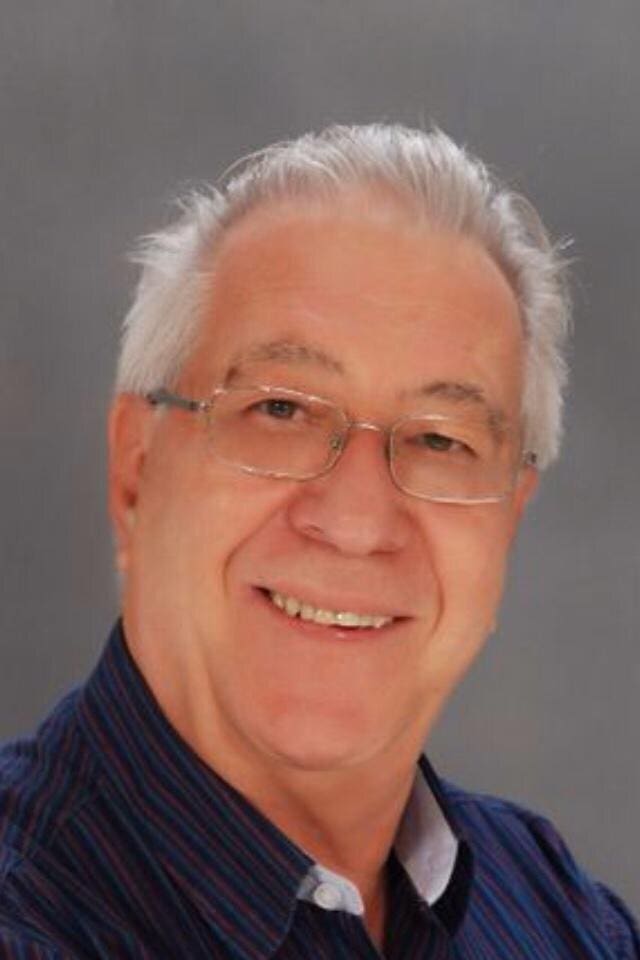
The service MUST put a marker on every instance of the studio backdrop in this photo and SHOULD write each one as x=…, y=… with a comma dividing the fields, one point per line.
x=108, y=107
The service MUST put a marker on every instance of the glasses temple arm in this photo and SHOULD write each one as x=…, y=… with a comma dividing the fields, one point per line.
x=163, y=397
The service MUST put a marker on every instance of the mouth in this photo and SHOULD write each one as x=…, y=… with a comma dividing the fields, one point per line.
x=302, y=612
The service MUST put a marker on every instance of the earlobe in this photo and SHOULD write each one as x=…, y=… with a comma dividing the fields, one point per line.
x=129, y=429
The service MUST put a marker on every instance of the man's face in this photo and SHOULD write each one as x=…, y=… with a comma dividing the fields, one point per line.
x=372, y=311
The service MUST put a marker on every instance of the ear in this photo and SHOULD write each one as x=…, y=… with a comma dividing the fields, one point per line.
x=525, y=489
x=129, y=433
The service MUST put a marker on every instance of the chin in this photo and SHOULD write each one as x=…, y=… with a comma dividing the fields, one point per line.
x=317, y=757
x=322, y=744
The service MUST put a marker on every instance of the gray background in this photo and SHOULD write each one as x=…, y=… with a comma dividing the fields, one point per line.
x=108, y=105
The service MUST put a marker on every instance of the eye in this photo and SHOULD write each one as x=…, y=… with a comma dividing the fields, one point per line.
x=439, y=442
x=278, y=408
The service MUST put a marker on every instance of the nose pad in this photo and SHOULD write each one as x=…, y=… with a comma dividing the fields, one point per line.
x=340, y=442
x=337, y=444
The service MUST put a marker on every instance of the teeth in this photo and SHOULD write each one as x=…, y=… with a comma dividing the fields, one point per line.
x=307, y=612
x=342, y=618
x=292, y=606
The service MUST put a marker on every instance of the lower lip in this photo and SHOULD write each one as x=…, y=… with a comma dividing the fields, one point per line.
x=327, y=633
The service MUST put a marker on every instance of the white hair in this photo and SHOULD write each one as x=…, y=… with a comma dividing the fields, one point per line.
x=437, y=183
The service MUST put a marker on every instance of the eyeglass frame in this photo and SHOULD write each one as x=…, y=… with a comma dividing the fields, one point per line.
x=164, y=397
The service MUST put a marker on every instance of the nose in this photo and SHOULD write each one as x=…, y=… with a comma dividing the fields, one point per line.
x=354, y=508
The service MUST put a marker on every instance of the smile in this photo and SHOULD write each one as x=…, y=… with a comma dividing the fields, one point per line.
x=293, y=607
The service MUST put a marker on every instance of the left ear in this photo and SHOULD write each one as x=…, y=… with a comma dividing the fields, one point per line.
x=526, y=487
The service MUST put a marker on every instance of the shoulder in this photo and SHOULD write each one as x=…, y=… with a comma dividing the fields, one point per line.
x=18, y=942
x=523, y=858
x=511, y=831
x=43, y=778
x=487, y=819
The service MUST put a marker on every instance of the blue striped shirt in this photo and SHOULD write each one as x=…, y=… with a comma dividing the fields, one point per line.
x=116, y=841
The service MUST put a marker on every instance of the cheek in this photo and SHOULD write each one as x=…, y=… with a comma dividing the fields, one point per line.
x=198, y=521
x=470, y=551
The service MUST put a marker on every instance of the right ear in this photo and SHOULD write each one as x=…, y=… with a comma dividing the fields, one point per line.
x=129, y=432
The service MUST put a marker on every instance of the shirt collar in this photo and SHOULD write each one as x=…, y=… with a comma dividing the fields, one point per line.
x=425, y=846
x=216, y=846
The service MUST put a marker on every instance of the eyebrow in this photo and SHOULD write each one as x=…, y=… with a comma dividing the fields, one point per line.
x=462, y=393
x=285, y=351
x=295, y=353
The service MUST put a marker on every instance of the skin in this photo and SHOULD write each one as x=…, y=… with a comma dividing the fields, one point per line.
x=317, y=727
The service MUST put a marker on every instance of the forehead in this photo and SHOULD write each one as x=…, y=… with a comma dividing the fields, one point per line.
x=360, y=249
x=357, y=296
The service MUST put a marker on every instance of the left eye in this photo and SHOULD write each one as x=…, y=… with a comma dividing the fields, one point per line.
x=439, y=442
x=279, y=408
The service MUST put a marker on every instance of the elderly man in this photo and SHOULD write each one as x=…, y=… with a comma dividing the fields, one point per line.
x=339, y=380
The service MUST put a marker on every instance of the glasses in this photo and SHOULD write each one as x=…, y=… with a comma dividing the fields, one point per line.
x=276, y=432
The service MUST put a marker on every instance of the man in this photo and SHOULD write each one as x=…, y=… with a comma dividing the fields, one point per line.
x=339, y=380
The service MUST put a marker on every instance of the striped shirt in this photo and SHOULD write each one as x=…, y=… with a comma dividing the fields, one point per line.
x=116, y=841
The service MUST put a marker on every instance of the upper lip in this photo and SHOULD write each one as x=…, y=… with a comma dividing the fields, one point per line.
x=338, y=601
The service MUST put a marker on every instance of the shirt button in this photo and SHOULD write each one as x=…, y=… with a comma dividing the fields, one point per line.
x=327, y=896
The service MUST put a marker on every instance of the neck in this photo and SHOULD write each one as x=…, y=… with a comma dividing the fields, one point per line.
x=346, y=821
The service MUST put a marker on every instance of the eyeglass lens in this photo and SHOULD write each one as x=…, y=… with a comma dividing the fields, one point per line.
x=283, y=433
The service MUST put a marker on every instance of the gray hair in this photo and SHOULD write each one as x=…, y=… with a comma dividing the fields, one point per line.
x=435, y=180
